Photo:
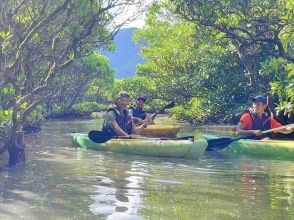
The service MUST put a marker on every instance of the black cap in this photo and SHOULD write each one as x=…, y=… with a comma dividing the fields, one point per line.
x=259, y=98
x=142, y=98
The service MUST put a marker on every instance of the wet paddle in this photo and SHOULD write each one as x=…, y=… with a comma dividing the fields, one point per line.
x=221, y=143
x=168, y=106
x=99, y=136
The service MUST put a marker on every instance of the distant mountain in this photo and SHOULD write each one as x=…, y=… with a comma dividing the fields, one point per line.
x=126, y=56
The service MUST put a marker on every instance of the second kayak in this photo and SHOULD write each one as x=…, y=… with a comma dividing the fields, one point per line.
x=161, y=130
x=266, y=147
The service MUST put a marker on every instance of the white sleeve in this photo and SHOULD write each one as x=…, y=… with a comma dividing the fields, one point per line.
x=131, y=112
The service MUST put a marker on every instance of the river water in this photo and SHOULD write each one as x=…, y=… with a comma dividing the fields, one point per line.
x=63, y=182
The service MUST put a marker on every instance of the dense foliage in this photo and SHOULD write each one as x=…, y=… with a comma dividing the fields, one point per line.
x=42, y=45
x=83, y=86
x=210, y=56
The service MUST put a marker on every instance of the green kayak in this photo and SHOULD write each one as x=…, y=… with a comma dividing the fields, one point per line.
x=266, y=147
x=150, y=147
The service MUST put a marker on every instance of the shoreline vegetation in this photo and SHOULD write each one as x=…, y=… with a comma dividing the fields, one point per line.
x=72, y=115
x=165, y=118
x=211, y=126
x=208, y=57
x=225, y=129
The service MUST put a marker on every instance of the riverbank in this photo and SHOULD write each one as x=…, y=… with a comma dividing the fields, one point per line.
x=161, y=118
x=220, y=129
x=225, y=129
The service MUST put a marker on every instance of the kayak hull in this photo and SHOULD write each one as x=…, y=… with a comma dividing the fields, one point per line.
x=149, y=147
x=161, y=130
x=266, y=147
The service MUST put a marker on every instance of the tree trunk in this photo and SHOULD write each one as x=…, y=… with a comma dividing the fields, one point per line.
x=17, y=151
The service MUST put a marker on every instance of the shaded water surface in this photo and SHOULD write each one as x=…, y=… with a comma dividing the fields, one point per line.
x=62, y=182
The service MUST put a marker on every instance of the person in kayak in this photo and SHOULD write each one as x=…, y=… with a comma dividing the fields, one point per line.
x=254, y=120
x=139, y=116
x=117, y=120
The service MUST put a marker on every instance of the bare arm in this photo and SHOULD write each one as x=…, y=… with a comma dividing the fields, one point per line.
x=140, y=129
x=149, y=121
x=241, y=130
x=137, y=121
x=118, y=130
x=111, y=122
x=154, y=115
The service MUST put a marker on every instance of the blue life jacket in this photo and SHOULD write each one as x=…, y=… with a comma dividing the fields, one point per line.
x=139, y=113
x=121, y=120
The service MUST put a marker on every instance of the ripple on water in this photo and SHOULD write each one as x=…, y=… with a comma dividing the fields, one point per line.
x=67, y=183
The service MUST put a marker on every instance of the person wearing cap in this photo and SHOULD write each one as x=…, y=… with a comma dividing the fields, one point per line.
x=117, y=120
x=140, y=116
x=254, y=120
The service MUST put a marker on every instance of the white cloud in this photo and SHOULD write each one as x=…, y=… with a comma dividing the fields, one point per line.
x=135, y=13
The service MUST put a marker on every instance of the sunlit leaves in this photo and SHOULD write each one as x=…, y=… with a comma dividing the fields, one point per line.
x=136, y=86
x=5, y=114
x=25, y=15
x=282, y=82
x=194, y=110
x=289, y=5
x=5, y=40
x=8, y=90
x=290, y=70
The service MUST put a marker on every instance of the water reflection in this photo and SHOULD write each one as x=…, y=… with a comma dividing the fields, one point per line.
x=62, y=182
x=119, y=194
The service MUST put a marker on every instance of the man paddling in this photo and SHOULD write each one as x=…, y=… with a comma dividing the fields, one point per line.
x=138, y=114
x=254, y=120
x=117, y=120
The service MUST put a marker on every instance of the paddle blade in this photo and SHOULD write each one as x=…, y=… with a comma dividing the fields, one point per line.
x=219, y=143
x=98, y=136
x=170, y=105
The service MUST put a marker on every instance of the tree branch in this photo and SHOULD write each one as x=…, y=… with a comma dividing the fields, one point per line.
x=32, y=107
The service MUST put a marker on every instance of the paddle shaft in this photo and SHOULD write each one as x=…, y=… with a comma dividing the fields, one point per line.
x=151, y=138
x=170, y=105
x=279, y=128
x=265, y=132
x=139, y=137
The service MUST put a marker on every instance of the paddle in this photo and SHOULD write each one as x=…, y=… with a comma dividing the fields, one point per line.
x=168, y=106
x=99, y=136
x=102, y=137
x=221, y=143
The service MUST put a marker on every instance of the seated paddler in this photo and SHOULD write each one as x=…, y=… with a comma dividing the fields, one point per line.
x=255, y=120
x=138, y=114
x=117, y=120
